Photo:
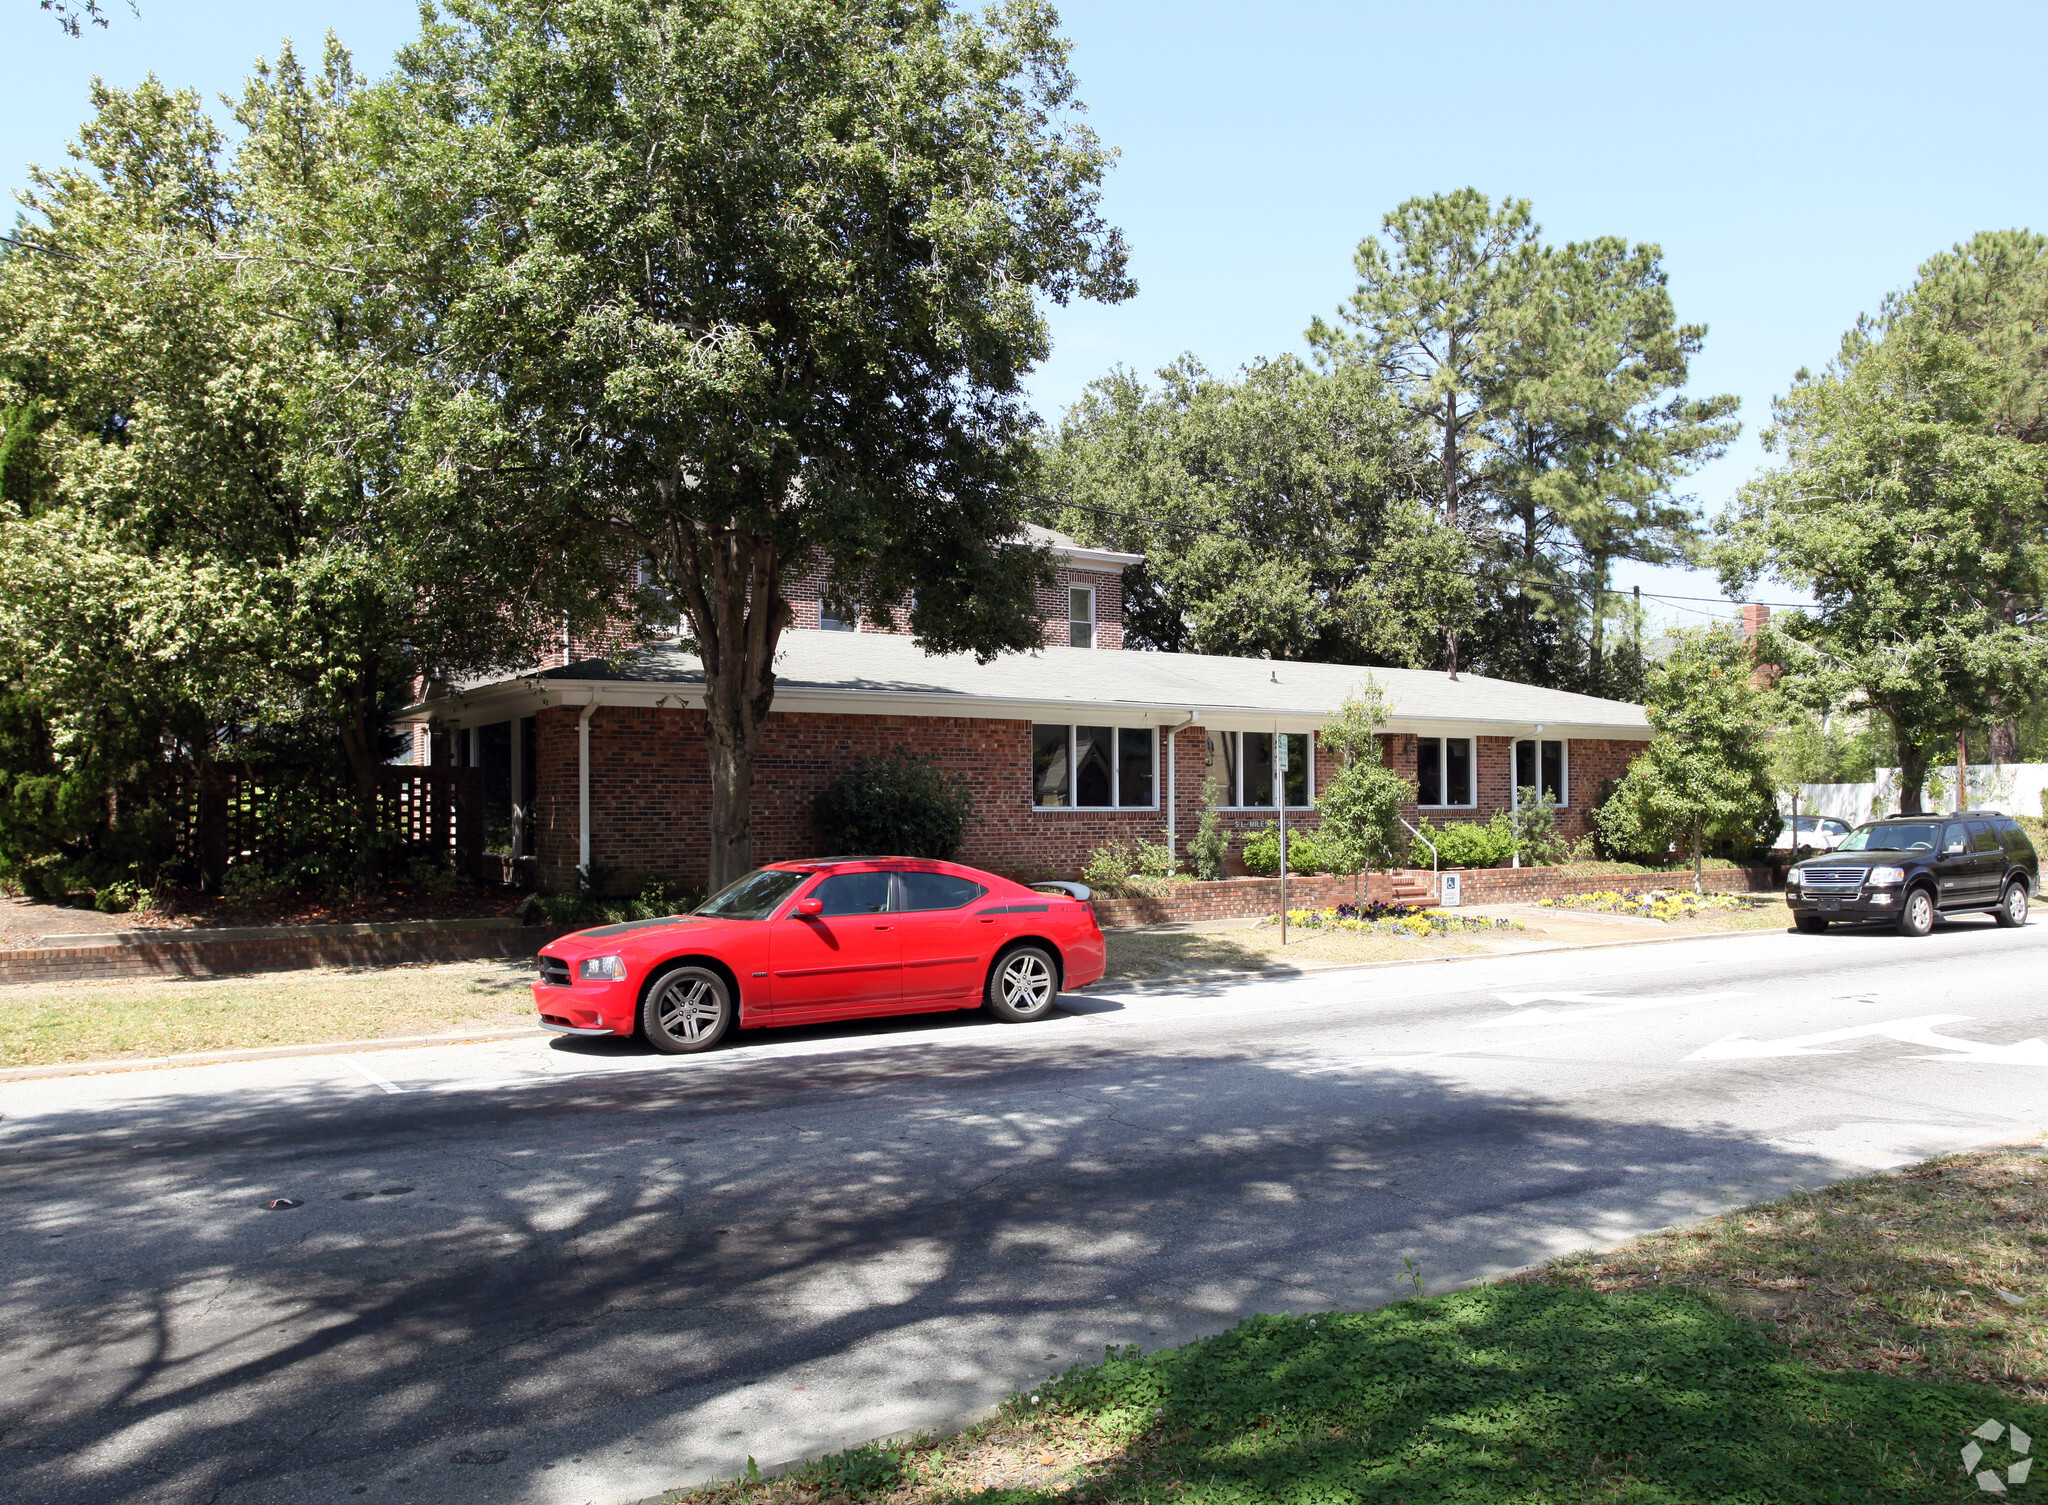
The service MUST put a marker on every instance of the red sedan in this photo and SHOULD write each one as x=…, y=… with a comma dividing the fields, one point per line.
x=835, y=938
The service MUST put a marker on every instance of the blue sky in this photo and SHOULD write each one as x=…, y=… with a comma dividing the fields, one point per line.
x=1795, y=162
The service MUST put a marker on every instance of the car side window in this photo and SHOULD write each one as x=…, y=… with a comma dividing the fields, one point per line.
x=1955, y=838
x=1983, y=838
x=938, y=890
x=853, y=893
x=2016, y=843
x=1835, y=828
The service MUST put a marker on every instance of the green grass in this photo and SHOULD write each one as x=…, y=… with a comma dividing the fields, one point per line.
x=48, y=1024
x=1811, y=1351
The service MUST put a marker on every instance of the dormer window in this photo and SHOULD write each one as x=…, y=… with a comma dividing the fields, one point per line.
x=1080, y=617
x=835, y=615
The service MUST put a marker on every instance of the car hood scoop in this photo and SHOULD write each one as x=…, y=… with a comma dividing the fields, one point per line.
x=627, y=927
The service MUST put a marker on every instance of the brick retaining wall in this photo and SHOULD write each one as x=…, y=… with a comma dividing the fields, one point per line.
x=196, y=954
x=1245, y=898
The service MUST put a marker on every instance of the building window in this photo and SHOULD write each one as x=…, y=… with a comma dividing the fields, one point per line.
x=1080, y=617
x=1243, y=764
x=835, y=615
x=1541, y=766
x=1443, y=771
x=1094, y=767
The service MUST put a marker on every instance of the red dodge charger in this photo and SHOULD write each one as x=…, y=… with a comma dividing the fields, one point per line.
x=834, y=938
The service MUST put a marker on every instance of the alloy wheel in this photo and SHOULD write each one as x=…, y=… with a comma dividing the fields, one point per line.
x=1026, y=982
x=690, y=1011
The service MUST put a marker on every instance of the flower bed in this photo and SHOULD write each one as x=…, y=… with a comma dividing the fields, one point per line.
x=1390, y=919
x=1665, y=904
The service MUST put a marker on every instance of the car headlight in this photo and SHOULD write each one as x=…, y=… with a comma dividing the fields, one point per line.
x=602, y=968
x=1793, y=879
x=1885, y=877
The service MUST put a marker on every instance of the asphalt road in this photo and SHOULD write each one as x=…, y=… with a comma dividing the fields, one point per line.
x=551, y=1272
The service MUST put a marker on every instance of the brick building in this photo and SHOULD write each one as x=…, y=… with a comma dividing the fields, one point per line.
x=1068, y=747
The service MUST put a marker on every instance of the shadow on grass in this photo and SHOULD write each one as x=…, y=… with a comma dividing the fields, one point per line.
x=1522, y=1393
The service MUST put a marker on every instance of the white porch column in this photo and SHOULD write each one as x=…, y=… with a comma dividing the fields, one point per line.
x=583, y=783
x=518, y=790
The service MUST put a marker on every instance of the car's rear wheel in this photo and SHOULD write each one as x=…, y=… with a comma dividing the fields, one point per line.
x=2012, y=909
x=687, y=1009
x=1916, y=914
x=1812, y=924
x=1022, y=985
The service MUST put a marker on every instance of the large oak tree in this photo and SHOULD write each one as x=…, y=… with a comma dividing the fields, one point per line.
x=745, y=283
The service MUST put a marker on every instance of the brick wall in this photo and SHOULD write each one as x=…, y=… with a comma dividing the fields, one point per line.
x=1247, y=898
x=198, y=955
x=1590, y=763
x=650, y=790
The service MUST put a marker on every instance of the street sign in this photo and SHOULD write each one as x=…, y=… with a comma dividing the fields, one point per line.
x=1280, y=753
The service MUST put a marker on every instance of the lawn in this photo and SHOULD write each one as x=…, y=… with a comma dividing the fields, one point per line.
x=1839, y=1345
x=46, y=1024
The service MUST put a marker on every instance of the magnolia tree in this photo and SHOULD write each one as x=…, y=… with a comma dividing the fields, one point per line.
x=743, y=284
x=1706, y=775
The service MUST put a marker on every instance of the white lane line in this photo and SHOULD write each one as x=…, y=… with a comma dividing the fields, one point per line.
x=370, y=1076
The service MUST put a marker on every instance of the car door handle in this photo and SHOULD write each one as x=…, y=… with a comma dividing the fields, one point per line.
x=885, y=927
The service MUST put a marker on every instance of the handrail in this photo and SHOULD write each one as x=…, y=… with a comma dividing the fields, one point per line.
x=1436, y=882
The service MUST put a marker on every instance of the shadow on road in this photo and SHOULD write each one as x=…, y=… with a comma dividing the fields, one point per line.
x=562, y=1259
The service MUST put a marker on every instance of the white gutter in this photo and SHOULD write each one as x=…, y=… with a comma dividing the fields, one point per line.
x=583, y=781
x=1170, y=734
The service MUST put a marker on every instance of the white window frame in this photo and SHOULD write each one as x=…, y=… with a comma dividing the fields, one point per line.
x=1443, y=763
x=1072, y=620
x=1564, y=769
x=847, y=626
x=1237, y=782
x=1116, y=772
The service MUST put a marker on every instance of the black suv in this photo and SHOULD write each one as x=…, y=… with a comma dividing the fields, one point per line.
x=1910, y=870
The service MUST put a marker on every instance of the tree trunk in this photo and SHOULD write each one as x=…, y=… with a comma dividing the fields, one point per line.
x=1698, y=859
x=1450, y=463
x=358, y=733
x=1598, y=655
x=737, y=616
x=1962, y=771
x=1912, y=774
x=2005, y=741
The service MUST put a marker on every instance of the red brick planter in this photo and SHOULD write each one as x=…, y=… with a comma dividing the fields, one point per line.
x=1246, y=898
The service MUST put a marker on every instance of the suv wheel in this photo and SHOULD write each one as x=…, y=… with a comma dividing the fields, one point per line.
x=1811, y=924
x=1916, y=914
x=2012, y=909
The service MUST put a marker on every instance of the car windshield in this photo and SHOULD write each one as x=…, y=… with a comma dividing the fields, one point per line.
x=753, y=896
x=1889, y=839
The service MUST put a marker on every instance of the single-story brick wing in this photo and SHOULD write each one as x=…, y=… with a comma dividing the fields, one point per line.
x=602, y=761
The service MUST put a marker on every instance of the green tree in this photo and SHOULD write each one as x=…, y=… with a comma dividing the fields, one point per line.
x=1436, y=313
x=1921, y=532
x=741, y=283
x=1706, y=775
x=1277, y=512
x=1360, y=808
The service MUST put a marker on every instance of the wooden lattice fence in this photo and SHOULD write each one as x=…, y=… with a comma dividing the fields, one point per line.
x=229, y=815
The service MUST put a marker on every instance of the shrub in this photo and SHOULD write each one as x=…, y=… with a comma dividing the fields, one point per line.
x=895, y=806
x=658, y=897
x=1110, y=868
x=1212, y=843
x=1466, y=843
x=1534, y=825
x=1261, y=852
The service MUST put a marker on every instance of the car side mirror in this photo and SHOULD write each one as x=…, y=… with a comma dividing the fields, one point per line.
x=809, y=907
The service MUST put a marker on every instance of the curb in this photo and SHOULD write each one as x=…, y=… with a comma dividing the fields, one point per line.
x=260, y=1053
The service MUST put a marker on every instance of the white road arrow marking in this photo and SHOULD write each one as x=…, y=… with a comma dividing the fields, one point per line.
x=1603, y=1005
x=1916, y=1031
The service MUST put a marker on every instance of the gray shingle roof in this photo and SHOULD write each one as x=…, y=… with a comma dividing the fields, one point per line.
x=868, y=672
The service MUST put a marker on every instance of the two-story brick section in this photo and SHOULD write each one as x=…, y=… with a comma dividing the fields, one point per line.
x=590, y=765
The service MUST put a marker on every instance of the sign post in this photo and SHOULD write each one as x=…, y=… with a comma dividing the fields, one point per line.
x=1280, y=790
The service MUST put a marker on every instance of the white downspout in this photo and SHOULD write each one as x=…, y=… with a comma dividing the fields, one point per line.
x=583, y=783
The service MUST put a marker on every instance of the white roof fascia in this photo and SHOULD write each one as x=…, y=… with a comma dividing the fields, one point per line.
x=523, y=697
x=1104, y=559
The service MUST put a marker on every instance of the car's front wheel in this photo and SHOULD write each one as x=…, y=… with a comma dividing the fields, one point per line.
x=1023, y=984
x=2012, y=909
x=1812, y=924
x=1916, y=914
x=687, y=1009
